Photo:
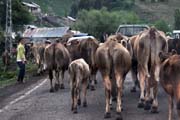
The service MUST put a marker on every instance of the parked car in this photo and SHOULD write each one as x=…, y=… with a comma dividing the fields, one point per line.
x=130, y=30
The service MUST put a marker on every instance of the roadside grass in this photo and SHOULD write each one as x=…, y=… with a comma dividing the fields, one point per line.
x=9, y=76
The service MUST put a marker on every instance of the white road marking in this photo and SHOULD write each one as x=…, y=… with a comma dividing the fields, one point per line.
x=23, y=96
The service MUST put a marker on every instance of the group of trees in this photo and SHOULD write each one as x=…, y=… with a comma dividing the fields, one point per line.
x=99, y=4
x=20, y=16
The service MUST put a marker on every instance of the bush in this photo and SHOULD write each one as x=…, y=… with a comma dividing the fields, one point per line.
x=162, y=25
x=97, y=22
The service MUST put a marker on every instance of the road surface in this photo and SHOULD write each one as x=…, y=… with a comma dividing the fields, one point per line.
x=36, y=103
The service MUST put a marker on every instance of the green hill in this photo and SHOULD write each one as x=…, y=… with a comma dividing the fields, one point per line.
x=58, y=7
x=148, y=11
x=157, y=11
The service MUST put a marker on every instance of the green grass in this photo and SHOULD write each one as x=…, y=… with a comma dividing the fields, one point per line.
x=9, y=77
x=59, y=7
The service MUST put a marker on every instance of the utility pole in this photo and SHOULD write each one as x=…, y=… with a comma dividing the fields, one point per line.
x=8, y=31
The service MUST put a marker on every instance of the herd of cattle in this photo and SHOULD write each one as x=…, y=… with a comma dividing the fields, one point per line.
x=146, y=55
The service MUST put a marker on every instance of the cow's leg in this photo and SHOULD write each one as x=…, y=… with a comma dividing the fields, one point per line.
x=72, y=97
x=107, y=84
x=51, y=80
x=147, y=97
x=155, y=100
x=119, y=82
x=79, y=96
x=62, y=79
x=75, y=100
x=93, y=77
x=135, y=80
x=170, y=107
x=177, y=95
x=142, y=87
x=56, y=87
x=84, y=89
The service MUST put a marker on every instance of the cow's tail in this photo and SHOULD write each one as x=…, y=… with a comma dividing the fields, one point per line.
x=152, y=32
x=112, y=74
x=54, y=59
x=74, y=82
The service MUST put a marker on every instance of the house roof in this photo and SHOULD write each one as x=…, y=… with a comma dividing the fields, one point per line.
x=45, y=32
x=32, y=5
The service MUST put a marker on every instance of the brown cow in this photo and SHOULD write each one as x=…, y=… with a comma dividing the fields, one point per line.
x=174, y=44
x=170, y=80
x=37, y=51
x=148, y=45
x=84, y=47
x=88, y=49
x=134, y=64
x=57, y=59
x=112, y=58
x=6, y=58
x=79, y=73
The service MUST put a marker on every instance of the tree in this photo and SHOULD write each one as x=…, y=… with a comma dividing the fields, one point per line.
x=177, y=19
x=97, y=22
x=20, y=14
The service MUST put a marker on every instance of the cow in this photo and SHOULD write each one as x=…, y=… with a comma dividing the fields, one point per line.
x=84, y=47
x=134, y=64
x=57, y=59
x=170, y=79
x=79, y=73
x=6, y=59
x=113, y=61
x=174, y=44
x=38, y=54
x=147, y=46
x=88, y=49
x=37, y=50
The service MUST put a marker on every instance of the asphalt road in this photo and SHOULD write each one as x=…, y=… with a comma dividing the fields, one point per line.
x=39, y=104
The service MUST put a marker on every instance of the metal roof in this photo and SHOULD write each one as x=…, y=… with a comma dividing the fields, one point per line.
x=30, y=5
x=45, y=32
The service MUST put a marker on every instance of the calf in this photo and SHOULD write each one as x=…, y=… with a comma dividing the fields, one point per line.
x=170, y=80
x=79, y=73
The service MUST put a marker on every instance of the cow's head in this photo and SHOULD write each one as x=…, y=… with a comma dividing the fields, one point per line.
x=163, y=56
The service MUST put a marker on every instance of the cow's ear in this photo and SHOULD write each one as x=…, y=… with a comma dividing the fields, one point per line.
x=163, y=56
x=119, y=36
x=173, y=51
x=124, y=43
x=78, y=43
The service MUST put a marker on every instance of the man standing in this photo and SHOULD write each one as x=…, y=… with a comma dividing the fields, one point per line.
x=21, y=60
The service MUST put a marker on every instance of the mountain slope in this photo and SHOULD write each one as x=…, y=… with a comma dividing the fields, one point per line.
x=155, y=11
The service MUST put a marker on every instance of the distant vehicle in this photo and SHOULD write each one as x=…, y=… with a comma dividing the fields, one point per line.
x=130, y=30
x=176, y=34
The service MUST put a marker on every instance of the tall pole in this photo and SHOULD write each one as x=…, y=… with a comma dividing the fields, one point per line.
x=8, y=32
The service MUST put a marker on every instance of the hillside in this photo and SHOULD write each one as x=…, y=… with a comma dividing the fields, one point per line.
x=155, y=11
x=150, y=12
x=58, y=7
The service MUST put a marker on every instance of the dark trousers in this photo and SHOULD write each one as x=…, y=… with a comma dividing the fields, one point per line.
x=21, y=71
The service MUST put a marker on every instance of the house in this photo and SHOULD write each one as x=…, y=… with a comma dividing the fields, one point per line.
x=32, y=7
